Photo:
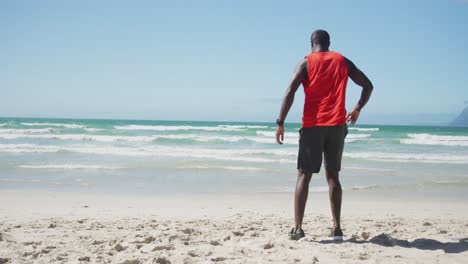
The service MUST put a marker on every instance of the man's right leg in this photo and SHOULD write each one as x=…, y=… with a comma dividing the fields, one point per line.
x=300, y=197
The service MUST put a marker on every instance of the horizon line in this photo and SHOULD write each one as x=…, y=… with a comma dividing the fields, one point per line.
x=216, y=121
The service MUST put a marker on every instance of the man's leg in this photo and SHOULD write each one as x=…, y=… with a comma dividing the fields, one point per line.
x=300, y=197
x=335, y=192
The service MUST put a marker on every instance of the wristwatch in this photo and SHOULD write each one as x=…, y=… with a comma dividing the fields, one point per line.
x=279, y=123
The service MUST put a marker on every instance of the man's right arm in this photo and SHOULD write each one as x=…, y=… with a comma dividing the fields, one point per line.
x=360, y=79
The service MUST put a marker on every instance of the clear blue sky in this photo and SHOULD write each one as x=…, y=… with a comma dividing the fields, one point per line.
x=226, y=60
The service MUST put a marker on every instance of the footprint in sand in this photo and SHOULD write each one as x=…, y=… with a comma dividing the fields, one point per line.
x=86, y=259
x=164, y=247
x=214, y=243
x=363, y=256
x=131, y=261
x=81, y=221
x=365, y=235
x=238, y=233
x=218, y=259
x=189, y=231
x=163, y=261
x=147, y=240
x=268, y=245
x=119, y=248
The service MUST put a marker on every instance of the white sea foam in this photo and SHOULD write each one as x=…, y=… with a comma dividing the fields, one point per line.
x=27, y=148
x=92, y=129
x=430, y=139
x=358, y=136
x=177, y=128
x=234, y=168
x=242, y=126
x=26, y=131
x=71, y=167
x=363, y=187
x=272, y=134
x=54, y=125
x=296, y=135
x=112, y=138
x=3, y=124
x=249, y=155
x=409, y=157
x=83, y=137
x=370, y=129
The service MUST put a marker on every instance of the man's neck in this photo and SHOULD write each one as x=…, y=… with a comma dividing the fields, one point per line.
x=318, y=48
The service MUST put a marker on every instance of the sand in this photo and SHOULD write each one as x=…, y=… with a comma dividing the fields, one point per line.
x=46, y=227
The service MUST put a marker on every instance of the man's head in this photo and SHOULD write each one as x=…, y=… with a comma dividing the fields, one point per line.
x=320, y=38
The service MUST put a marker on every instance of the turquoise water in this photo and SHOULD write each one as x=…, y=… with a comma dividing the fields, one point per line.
x=131, y=156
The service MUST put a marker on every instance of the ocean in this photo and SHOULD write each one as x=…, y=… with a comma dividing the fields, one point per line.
x=165, y=157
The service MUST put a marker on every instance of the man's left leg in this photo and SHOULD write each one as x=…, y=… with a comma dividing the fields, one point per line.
x=335, y=192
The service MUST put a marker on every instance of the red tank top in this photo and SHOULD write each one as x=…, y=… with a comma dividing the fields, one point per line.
x=325, y=90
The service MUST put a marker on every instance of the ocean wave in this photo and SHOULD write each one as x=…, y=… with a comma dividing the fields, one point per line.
x=27, y=148
x=447, y=182
x=430, y=139
x=364, y=187
x=109, y=138
x=233, y=168
x=368, y=169
x=412, y=186
x=358, y=136
x=26, y=131
x=54, y=125
x=370, y=129
x=92, y=129
x=177, y=128
x=263, y=137
x=243, y=126
x=248, y=155
x=81, y=137
x=3, y=124
x=272, y=134
x=72, y=167
x=408, y=157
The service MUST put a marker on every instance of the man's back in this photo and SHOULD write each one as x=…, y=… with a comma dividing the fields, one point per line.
x=325, y=90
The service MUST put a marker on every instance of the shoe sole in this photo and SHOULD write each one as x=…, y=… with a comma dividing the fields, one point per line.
x=302, y=239
x=337, y=238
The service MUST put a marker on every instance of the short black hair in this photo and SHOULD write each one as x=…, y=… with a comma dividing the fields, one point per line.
x=320, y=37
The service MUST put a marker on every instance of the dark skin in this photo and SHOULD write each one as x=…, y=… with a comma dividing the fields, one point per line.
x=303, y=179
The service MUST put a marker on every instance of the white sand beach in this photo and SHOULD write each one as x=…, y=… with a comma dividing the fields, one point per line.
x=60, y=227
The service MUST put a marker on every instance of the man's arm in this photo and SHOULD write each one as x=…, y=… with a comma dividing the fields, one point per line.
x=360, y=79
x=299, y=75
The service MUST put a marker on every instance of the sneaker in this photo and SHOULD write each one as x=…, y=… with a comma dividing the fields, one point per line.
x=297, y=235
x=337, y=234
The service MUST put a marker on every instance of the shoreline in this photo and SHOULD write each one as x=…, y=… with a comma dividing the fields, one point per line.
x=218, y=205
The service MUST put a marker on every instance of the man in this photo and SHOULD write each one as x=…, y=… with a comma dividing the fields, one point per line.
x=324, y=76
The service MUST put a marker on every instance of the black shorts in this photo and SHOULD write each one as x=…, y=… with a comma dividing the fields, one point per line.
x=315, y=141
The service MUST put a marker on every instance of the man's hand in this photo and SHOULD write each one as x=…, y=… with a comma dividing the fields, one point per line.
x=352, y=117
x=280, y=134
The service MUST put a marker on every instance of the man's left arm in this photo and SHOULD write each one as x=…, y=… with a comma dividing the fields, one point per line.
x=299, y=75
